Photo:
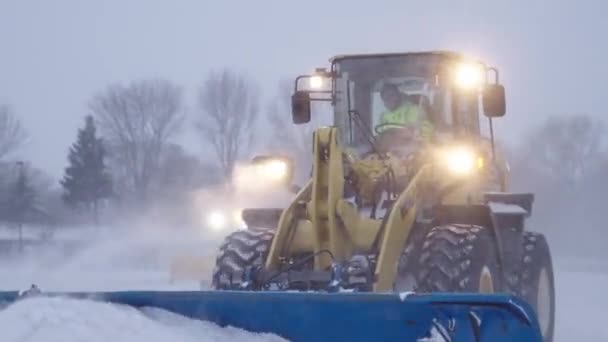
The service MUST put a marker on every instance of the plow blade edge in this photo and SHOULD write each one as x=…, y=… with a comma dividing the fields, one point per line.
x=299, y=316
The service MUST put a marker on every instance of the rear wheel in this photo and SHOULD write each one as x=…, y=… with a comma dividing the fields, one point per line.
x=240, y=250
x=537, y=283
x=458, y=258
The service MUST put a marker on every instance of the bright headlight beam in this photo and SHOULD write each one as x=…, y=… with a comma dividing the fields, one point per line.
x=469, y=76
x=262, y=174
x=216, y=220
x=460, y=161
x=275, y=170
x=316, y=82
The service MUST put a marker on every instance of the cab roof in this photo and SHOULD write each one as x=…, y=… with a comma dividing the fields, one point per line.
x=448, y=55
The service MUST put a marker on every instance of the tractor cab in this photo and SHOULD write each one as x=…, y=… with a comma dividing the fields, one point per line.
x=445, y=90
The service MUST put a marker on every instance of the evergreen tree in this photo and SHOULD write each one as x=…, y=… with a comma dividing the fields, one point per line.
x=86, y=180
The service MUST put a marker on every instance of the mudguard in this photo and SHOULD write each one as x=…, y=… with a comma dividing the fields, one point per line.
x=306, y=316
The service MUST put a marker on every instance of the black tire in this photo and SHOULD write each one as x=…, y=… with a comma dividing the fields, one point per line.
x=405, y=280
x=537, y=283
x=240, y=250
x=459, y=258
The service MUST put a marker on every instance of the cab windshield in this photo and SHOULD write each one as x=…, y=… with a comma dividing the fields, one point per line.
x=360, y=106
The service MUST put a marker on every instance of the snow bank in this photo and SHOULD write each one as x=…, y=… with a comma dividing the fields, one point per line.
x=65, y=320
x=131, y=259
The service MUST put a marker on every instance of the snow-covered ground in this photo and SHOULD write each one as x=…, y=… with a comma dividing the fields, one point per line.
x=582, y=303
x=62, y=320
x=65, y=319
x=137, y=261
x=141, y=262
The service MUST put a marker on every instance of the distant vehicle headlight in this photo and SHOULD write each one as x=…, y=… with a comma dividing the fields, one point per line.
x=225, y=219
x=264, y=172
x=276, y=170
x=216, y=220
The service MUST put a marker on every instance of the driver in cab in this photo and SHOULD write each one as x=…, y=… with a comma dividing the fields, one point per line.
x=402, y=115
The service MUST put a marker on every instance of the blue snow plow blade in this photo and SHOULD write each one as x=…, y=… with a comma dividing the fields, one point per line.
x=307, y=316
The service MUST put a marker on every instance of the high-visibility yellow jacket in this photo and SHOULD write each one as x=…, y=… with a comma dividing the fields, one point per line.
x=407, y=114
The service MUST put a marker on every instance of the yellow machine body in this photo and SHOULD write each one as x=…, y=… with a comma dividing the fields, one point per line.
x=330, y=222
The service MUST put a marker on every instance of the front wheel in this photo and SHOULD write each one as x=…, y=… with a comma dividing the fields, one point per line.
x=458, y=258
x=537, y=284
x=240, y=250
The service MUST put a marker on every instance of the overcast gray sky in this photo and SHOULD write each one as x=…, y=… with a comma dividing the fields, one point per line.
x=55, y=54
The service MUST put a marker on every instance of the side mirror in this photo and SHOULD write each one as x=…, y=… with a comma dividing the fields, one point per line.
x=300, y=107
x=493, y=99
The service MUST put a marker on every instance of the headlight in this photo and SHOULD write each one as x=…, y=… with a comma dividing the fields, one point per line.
x=275, y=170
x=216, y=220
x=469, y=76
x=263, y=173
x=462, y=160
x=220, y=219
x=319, y=80
x=316, y=82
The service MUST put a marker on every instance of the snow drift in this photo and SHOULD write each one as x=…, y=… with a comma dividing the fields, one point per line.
x=65, y=320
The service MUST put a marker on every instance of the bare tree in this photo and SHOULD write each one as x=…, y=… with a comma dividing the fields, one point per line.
x=181, y=171
x=12, y=133
x=229, y=109
x=21, y=193
x=566, y=147
x=289, y=138
x=137, y=122
x=561, y=163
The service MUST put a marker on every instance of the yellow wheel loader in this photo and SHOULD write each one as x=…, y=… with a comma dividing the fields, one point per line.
x=388, y=207
x=405, y=231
